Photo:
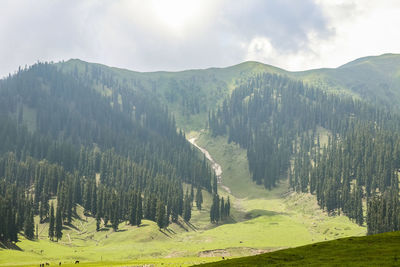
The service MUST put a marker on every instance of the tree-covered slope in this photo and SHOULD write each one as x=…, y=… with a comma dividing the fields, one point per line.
x=115, y=151
x=276, y=119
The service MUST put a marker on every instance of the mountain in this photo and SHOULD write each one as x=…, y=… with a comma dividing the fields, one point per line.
x=313, y=154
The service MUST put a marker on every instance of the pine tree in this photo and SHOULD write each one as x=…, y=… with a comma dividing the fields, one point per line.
x=160, y=214
x=187, y=210
x=59, y=225
x=191, y=195
x=139, y=210
x=228, y=207
x=199, y=198
x=98, y=221
x=29, y=225
x=132, y=208
x=214, y=211
x=222, y=209
x=51, y=222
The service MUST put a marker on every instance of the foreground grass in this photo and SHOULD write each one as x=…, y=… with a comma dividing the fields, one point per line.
x=376, y=250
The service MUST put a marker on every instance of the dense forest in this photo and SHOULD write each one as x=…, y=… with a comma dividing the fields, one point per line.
x=279, y=122
x=83, y=138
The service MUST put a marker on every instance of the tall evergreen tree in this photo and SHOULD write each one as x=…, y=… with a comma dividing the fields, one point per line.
x=59, y=224
x=51, y=222
x=29, y=225
x=199, y=198
x=160, y=214
x=139, y=210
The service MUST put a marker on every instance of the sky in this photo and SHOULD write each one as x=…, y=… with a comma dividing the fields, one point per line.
x=188, y=34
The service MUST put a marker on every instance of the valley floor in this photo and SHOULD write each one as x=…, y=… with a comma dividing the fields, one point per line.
x=261, y=221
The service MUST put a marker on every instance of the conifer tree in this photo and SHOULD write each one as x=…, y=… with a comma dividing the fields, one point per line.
x=187, y=210
x=51, y=222
x=191, y=195
x=139, y=209
x=98, y=221
x=199, y=198
x=160, y=214
x=29, y=225
x=222, y=209
x=59, y=224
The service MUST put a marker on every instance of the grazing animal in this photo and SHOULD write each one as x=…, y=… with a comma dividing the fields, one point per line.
x=47, y=264
x=76, y=262
x=223, y=258
x=59, y=264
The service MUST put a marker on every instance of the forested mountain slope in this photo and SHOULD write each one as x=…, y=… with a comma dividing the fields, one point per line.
x=102, y=146
x=276, y=119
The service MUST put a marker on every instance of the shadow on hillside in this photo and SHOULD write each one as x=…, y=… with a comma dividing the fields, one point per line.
x=257, y=213
x=9, y=245
x=167, y=235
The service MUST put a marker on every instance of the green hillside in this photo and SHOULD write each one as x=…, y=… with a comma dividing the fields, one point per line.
x=376, y=250
x=374, y=78
x=189, y=94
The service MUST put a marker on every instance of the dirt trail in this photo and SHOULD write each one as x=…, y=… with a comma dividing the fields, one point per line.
x=217, y=168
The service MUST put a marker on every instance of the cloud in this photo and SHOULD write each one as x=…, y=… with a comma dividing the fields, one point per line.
x=182, y=34
x=356, y=29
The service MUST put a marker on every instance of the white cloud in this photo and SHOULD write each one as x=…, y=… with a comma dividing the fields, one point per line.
x=361, y=28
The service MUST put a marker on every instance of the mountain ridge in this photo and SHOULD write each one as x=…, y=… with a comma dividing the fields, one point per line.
x=372, y=78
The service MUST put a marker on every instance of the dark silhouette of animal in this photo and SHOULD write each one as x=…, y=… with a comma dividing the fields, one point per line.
x=47, y=264
x=59, y=264
x=223, y=258
x=76, y=262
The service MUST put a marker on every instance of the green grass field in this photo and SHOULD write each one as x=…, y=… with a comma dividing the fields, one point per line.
x=376, y=250
x=261, y=221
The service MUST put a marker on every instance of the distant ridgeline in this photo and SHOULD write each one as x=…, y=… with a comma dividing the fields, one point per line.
x=279, y=120
x=86, y=139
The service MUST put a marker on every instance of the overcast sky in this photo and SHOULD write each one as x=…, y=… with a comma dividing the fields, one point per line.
x=185, y=34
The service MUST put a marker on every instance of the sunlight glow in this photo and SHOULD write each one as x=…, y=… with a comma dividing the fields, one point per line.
x=176, y=15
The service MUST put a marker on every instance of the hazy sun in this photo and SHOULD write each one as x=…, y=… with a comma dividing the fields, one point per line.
x=177, y=14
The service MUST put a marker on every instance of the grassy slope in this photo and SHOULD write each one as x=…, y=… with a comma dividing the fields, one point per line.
x=375, y=78
x=278, y=211
x=376, y=250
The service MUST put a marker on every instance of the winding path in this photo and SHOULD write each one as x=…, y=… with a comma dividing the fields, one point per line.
x=217, y=168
